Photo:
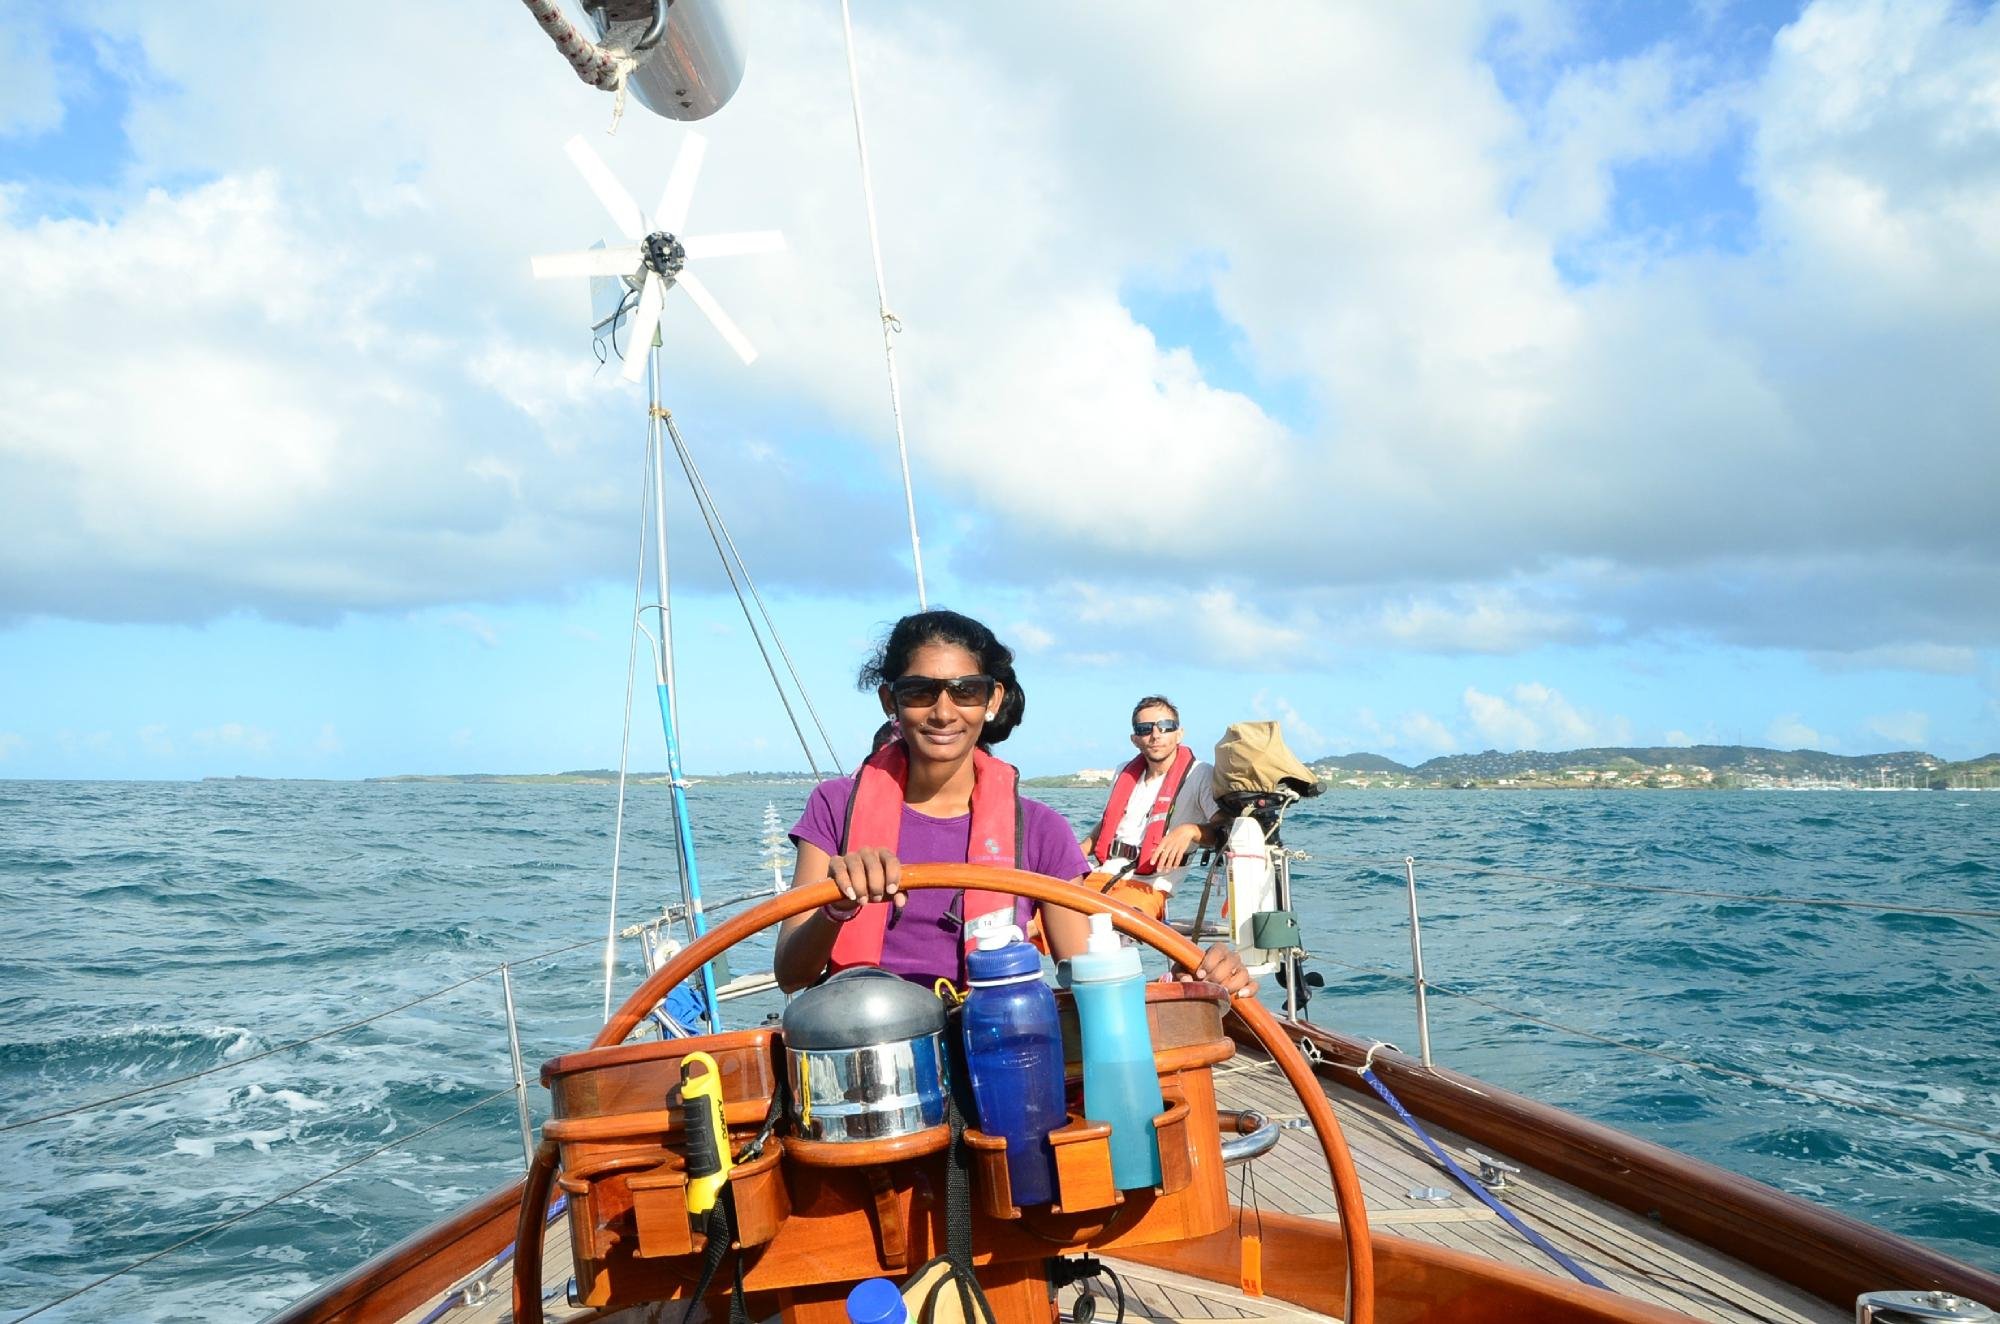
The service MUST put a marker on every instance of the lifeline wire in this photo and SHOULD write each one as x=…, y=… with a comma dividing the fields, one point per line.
x=891, y=324
x=712, y=517
x=258, y=1209
x=1733, y=1073
x=281, y=1048
x=1456, y=866
x=1478, y=1189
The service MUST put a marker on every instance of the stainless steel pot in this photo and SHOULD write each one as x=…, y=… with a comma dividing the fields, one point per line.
x=865, y=1056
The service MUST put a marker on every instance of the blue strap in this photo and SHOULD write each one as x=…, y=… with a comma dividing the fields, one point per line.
x=1473, y=1184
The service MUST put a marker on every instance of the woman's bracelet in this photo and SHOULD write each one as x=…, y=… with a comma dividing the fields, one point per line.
x=840, y=914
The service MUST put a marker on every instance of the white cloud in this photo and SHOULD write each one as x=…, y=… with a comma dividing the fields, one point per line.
x=1030, y=637
x=329, y=741
x=1534, y=716
x=1301, y=736
x=1426, y=732
x=1907, y=728
x=1787, y=731
x=1937, y=659
x=96, y=744
x=1677, y=737
x=12, y=743
x=1649, y=107
x=238, y=736
x=1213, y=625
x=1476, y=621
x=1500, y=723
x=340, y=391
x=473, y=624
x=156, y=740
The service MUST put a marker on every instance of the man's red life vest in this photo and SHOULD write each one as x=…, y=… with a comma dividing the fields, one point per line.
x=1156, y=820
x=875, y=818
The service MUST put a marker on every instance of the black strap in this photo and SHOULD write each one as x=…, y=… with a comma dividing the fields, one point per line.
x=1201, y=911
x=957, y=1234
x=719, y=1226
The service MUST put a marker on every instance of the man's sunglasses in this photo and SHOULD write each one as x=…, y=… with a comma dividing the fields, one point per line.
x=1165, y=728
x=923, y=691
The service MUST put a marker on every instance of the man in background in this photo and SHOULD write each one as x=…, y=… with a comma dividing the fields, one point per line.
x=1160, y=807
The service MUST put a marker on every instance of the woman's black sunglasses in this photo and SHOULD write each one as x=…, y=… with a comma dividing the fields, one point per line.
x=923, y=691
x=1166, y=727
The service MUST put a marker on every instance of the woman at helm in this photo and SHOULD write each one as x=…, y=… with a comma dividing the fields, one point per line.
x=934, y=794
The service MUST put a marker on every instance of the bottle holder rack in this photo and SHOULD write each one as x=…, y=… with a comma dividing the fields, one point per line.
x=1081, y=1153
x=812, y=1213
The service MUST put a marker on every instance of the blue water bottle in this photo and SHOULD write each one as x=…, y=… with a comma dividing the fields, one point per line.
x=1120, y=1085
x=1013, y=1057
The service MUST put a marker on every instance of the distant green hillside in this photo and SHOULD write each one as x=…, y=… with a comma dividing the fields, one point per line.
x=1710, y=766
x=1357, y=763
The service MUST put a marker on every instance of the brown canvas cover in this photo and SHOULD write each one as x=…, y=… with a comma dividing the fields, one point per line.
x=1251, y=756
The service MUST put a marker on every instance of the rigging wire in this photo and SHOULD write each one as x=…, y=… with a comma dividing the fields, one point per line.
x=234, y=1219
x=711, y=515
x=891, y=324
x=625, y=740
x=233, y=1063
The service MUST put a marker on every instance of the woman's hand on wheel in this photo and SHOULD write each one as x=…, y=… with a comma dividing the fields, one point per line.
x=1221, y=965
x=870, y=874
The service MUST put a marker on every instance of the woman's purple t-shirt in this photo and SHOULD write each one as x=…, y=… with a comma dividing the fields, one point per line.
x=917, y=944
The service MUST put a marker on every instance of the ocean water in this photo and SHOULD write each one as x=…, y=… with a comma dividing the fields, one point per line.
x=156, y=930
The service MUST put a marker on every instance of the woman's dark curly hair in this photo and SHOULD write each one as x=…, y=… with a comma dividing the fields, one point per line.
x=892, y=658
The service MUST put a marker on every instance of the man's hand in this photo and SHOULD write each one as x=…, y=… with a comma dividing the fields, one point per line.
x=1221, y=965
x=870, y=874
x=1175, y=846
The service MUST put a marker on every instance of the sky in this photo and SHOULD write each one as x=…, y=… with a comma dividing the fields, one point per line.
x=1431, y=377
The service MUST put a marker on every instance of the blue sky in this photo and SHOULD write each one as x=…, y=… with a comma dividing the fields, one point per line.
x=1430, y=377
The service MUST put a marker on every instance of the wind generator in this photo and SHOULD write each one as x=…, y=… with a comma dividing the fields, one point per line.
x=645, y=270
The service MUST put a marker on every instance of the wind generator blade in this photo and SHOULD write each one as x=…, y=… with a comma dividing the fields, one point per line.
x=589, y=262
x=624, y=211
x=741, y=244
x=716, y=317
x=672, y=213
x=644, y=322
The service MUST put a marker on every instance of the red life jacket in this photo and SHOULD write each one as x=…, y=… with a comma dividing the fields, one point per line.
x=1156, y=821
x=875, y=818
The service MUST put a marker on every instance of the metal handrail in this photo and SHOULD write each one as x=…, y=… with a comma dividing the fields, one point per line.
x=1417, y=962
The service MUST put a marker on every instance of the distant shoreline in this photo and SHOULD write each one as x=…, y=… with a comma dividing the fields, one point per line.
x=1655, y=768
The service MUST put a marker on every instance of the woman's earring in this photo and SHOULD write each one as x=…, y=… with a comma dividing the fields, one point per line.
x=991, y=713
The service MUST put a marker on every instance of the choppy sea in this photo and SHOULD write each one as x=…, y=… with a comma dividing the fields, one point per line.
x=155, y=930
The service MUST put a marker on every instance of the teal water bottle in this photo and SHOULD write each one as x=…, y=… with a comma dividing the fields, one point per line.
x=1120, y=1085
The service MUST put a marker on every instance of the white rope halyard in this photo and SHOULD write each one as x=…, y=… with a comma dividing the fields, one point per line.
x=891, y=324
x=605, y=67
x=599, y=66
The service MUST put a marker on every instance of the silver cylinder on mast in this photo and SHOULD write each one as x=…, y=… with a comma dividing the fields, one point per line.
x=695, y=63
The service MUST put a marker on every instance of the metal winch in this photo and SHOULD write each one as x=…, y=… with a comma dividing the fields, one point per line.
x=865, y=1056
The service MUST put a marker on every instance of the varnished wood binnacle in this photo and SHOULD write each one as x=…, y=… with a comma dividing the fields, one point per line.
x=1358, y=1300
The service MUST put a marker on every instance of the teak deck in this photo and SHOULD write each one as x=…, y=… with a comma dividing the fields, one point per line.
x=1634, y=1256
